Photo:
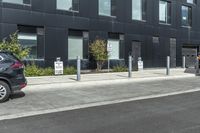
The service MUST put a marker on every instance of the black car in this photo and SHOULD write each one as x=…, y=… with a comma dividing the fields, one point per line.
x=11, y=75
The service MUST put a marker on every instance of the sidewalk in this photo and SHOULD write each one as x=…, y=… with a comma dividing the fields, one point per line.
x=145, y=75
x=54, y=94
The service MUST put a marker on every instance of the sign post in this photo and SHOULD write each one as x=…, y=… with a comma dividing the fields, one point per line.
x=58, y=66
x=109, y=49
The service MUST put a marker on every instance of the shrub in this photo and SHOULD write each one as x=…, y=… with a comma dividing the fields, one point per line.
x=47, y=71
x=69, y=70
x=98, y=50
x=13, y=46
x=33, y=70
x=120, y=69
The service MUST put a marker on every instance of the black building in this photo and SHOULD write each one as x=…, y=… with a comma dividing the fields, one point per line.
x=151, y=29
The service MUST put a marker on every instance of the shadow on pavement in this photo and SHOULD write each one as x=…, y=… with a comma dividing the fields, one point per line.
x=72, y=79
x=190, y=70
x=122, y=76
x=18, y=94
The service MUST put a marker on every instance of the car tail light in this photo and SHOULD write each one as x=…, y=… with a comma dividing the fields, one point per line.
x=22, y=85
x=17, y=65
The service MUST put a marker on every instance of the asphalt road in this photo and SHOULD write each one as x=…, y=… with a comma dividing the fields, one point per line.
x=173, y=114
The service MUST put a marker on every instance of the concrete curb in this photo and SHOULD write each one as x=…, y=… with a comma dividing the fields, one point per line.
x=75, y=84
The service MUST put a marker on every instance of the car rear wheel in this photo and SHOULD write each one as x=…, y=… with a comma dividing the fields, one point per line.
x=4, y=91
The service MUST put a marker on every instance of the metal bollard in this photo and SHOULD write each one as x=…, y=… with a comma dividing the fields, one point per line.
x=183, y=62
x=130, y=67
x=78, y=68
x=168, y=66
x=197, y=67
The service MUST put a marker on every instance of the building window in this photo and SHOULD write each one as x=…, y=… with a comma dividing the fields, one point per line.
x=23, y=2
x=138, y=9
x=114, y=53
x=75, y=47
x=186, y=16
x=165, y=12
x=29, y=40
x=107, y=7
x=192, y=1
x=69, y=5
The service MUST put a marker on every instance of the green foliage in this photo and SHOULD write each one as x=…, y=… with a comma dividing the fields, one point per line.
x=120, y=69
x=34, y=70
x=31, y=70
x=13, y=46
x=98, y=50
x=47, y=71
x=69, y=70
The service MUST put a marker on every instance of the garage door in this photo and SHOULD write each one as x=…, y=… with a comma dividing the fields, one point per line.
x=190, y=56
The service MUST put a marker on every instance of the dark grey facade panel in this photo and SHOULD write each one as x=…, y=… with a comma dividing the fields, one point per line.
x=58, y=23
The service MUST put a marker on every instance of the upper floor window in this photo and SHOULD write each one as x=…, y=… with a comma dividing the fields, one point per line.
x=138, y=9
x=186, y=16
x=165, y=12
x=192, y=1
x=107, y=7
x=69, y=5
x=26, y=2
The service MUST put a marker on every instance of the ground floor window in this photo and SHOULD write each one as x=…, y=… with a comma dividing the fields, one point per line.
x=29, y=40
x=75, y=47
x=114, y=53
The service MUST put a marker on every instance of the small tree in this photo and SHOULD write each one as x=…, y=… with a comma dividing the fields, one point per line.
x=14, y=47
x=98, y=50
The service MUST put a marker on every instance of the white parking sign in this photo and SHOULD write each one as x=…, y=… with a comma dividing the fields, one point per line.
x=140, y=65
x=58, y=66
x=109, y=47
